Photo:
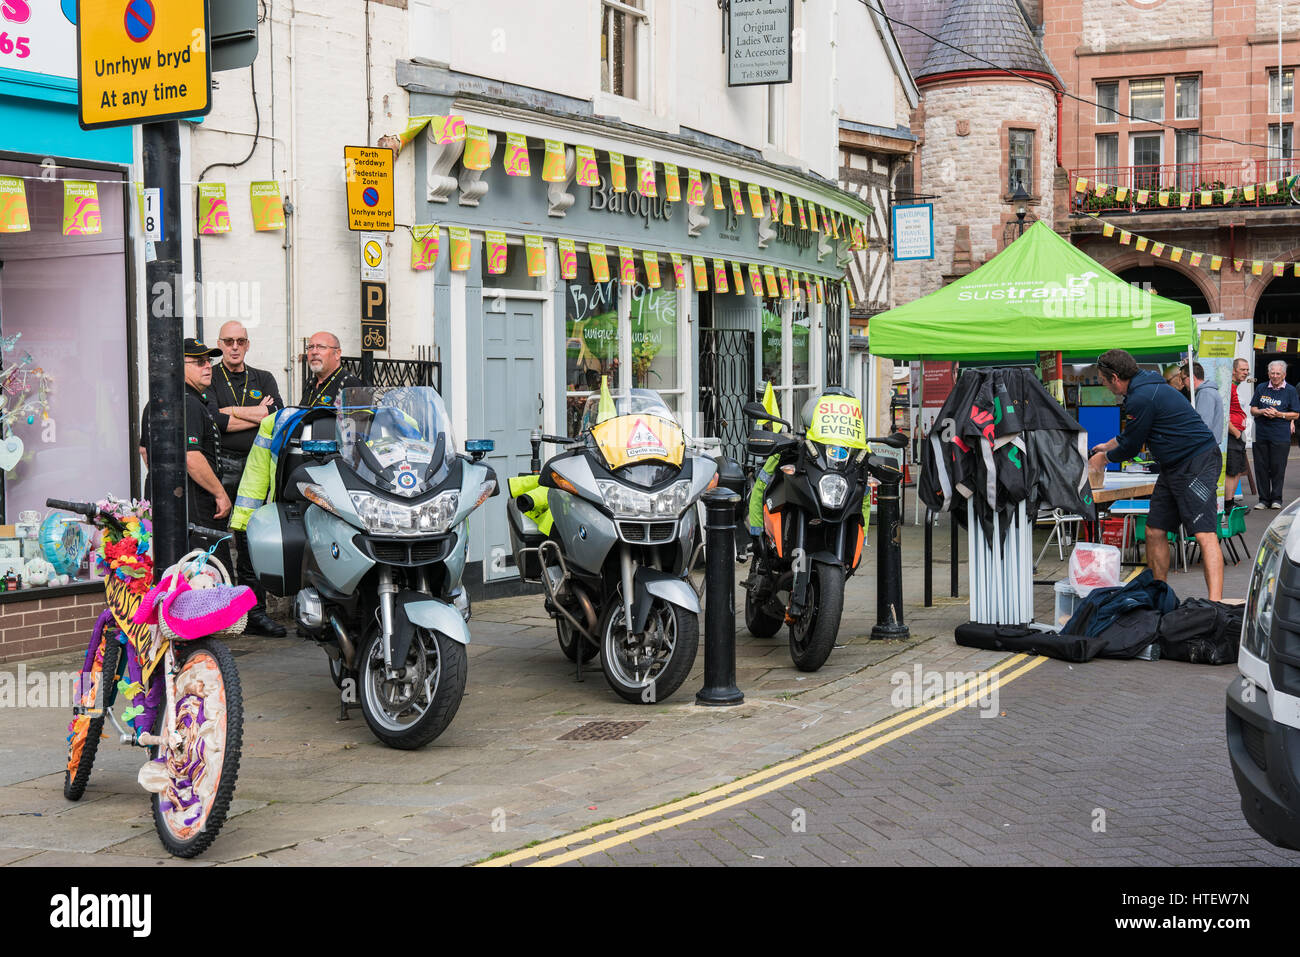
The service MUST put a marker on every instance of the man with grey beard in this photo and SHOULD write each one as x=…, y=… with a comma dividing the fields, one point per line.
x=324, y=359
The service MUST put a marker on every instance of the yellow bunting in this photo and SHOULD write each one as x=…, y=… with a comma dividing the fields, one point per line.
x=1195, y=259
x=1256, y=267
x=755, y=201
x=848, y=293
x=774, y=203
x=1157, y=249
x=617, y=172
x=1296, y=272
x=737, y=278
x=803, y=214
x=651, y=261
x=819, y=289
x=1080, y=185
x=1184, y=199
x=1141, y=244
x=553, y=170
x=1271, y=188
x=1248, y=192
x=1216, y=262
x=535, y=254
x=1162, y=198
x=1143, y=196
x=448, y=129
x=460, y=248
x=214, y=210
x=413, y=126
x=1228, y=194
x=720, y=275
x=1259, y=341
x=784, y=278
x=267, y=205
x=1237, y=264
x=679, y=269
x=737, y=198
x=478, y=149
x=1108, y=230
x=672, y=185
x=1102, y=189
x=588, y=174
x=716, y=182
x=1277, y=268
x=626, y=266
x=495, y=240
x=516, y=158
x=568, y=259
x=701, y=273
x=424, y=246
x=1124, y=237
x=1176, y=254
x=1207, y=197
x=815, y=218
x=599, y=262
x=755, y=280
x=1121, y=194
x=769, y=279
x=645, y=177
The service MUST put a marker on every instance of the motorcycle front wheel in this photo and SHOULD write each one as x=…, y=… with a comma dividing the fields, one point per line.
x=408, y=712
x=812, y=636
x=649, y=669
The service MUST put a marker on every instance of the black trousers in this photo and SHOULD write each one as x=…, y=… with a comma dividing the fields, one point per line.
x=1270, y=469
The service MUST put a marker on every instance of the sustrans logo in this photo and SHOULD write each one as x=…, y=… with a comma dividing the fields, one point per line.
x=76, y=910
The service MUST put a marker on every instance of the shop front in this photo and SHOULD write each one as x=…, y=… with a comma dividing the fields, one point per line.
x=66, y=297
x=571, y=251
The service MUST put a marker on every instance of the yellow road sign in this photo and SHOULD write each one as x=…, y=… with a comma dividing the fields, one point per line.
x=141, y=61
x=370, y=188
x=373, y=253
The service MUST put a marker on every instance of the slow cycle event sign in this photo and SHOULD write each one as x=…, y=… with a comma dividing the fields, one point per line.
x=141, y=61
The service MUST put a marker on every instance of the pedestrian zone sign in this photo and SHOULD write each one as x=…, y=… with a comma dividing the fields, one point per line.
x=370, y=188
x=142, y=61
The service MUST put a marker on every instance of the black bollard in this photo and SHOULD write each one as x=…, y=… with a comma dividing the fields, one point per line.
x=889, y=560
x=952, y=522
x=720, y=600
x=929, y=558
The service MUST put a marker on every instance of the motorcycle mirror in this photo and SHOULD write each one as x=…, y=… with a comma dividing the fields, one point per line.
x=755, y=410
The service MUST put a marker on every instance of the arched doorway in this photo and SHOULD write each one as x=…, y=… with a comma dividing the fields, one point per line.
x=1277, y=313
x=1169, y=283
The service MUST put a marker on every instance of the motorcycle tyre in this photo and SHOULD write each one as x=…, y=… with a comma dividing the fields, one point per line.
x=443, y=707
x=827, y=587
x=759, y=622
x=571, y=643
x=687, y=624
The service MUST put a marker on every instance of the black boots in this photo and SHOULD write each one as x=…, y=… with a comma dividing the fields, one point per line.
x=260, y=624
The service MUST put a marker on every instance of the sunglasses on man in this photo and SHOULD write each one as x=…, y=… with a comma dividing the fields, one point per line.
x=233, y=342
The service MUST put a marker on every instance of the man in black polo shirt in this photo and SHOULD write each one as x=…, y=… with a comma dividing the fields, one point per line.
x=208, y=501
x=239, y=398
x=324, y=359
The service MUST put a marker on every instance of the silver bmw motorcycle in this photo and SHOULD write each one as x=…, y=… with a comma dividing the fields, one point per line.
x=368, y=531
x=608, y=528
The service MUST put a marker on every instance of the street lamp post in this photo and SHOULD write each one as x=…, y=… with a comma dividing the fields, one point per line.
x=1020, y=198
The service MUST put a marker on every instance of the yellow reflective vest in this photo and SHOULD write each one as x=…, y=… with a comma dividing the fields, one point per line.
x=257, y=484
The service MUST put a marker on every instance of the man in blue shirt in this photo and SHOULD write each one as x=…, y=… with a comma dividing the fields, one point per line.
x=1186, y=494
x=1275, y=405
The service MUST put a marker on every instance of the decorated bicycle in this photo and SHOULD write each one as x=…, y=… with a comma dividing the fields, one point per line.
x=154, y=649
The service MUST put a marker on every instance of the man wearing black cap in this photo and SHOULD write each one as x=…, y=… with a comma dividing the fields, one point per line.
x=208, y=501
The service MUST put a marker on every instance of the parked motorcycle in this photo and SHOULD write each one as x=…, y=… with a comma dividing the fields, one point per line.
x=609, y=530
x=368, y=530
x=810, y=527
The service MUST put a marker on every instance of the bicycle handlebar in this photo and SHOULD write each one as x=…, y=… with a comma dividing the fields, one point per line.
x=209, y=532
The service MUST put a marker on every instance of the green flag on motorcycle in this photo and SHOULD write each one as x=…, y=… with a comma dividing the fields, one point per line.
x=606, y=408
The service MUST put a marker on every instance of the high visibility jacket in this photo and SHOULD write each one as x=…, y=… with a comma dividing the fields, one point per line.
x=257, y=484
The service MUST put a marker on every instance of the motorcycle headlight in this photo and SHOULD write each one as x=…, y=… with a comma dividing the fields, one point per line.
x=626, y=502
x=1262, y=596
x=393, y=518
x=833, y=489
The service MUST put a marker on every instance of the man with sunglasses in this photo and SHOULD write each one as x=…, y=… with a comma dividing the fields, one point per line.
x=1186, y=493
x=324, y=359
x=238, y=399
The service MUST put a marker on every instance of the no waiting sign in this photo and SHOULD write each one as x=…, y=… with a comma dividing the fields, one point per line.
x=369, y=172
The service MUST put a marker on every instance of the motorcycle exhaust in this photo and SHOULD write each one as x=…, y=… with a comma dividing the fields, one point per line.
x=345, y=643
x=554, y=587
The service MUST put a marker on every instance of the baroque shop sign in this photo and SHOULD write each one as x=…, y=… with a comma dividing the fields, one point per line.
x=632, y=203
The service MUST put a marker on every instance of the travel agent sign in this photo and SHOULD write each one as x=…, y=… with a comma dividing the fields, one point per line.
x=370, y=188
x=142, y=61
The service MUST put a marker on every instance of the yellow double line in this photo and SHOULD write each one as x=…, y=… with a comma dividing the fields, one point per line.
x=768, y=780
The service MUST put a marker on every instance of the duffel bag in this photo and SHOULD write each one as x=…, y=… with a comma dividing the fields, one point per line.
x=1202, y=632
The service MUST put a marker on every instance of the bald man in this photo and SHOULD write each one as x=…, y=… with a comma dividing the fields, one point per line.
x=324, y=360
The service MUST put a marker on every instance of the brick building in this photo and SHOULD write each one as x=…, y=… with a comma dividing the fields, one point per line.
x=1169, y=77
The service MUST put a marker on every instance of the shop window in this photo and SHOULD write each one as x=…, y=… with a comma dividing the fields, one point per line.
x=67, y=297
x=1021, y=155
x=1187, y=98
x=1107, y=103
x=1146, y=100
x=1281, y=97
x=800, y=350
x=624, y=41
x=772, y=346
x=592, y=340
x=653, y=328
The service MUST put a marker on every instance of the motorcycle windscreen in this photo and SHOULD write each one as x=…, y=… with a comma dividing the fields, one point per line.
x=399, y=439
x=836, y=420
x=642, y=437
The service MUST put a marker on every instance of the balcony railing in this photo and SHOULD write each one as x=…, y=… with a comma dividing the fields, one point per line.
x=1204, y=184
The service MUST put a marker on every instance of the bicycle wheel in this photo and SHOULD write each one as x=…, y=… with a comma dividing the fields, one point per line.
x=94, y=694
x=200, y=763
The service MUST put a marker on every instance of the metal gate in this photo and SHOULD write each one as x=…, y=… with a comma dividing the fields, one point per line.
x=384, y=372
x=726, y=384
x=834, y=334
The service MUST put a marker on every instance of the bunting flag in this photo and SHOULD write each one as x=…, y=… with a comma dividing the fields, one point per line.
x=645, y=177
x=774, y=204
x=1143, y=197
x=626, y=266
x=701, y=273
x=448, y=129
x=599, y=262
x=1108, y=230
x=737, y=278
x=214, y=210
x=720, y=275
x=587, y=174
x=737, y=198
x=803, y=214
x=672, y=185
x=769, y=279
x=820, y=289
x=14, y=216
x=848, y=293
x=516, y=158
x=1176, y=254
x=535, y=254
x=1256, y=267
x=1228, y=194
x=1124, y=237
x=1121, y=194
x=1195, y=259
x=1296, y=272
x=814, y=217
x=424, y=246
x=1259, y=341
x=787, y=214
x=1157, y=249
x=716, y=181
x=413, y=126
x=1207, y=197
x=1282, y=345
x=568, y=259
x=755, y=201
x=1271, y=188
x=755, y=280
x=1080, y=185
x=809, y=286
x=679, y=270
x=460, y=250
x=617, y=173
x=478, y=148
x=784, y=278
x=1216, y=263
x=553, y=163
x=268, y=205
x=1101, y=190
x=1184, y=199
x=859, y=236
x=694, y=188
x=1141, y=244
x=1248, y=192
x=496, y=244
x=1237, y=264
x=651, y=261
x=1277, y=269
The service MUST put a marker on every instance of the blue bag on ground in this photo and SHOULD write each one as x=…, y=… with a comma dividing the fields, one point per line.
x=1127, y=618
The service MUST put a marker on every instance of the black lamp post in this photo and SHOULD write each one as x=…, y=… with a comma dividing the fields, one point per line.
x=1020, y=198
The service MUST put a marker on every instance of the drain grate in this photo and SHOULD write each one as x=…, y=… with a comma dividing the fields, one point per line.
x=603, y=730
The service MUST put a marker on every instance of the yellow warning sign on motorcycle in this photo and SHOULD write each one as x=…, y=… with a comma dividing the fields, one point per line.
x=837, y=420
x=629, y=439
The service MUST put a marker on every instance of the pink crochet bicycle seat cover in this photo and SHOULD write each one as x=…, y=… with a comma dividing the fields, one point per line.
x=196, y=613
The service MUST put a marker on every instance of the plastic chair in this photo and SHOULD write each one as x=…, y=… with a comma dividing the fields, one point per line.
x=1060, y=522
x=1237, y=527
